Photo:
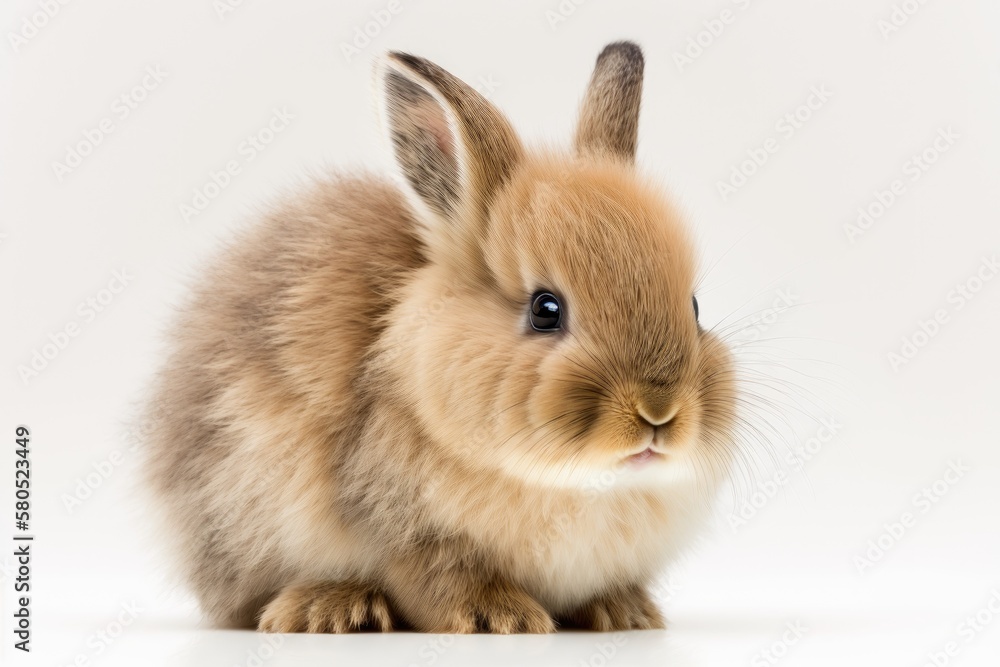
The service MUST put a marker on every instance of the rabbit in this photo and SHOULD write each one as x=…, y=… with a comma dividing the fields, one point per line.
x=474, y=397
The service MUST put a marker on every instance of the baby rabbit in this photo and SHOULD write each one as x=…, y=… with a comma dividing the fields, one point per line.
x=479, y=401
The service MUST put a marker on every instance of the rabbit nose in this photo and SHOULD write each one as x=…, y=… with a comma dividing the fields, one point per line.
x=656, y=418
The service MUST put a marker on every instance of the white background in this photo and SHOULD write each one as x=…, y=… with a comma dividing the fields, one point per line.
x=794, y=560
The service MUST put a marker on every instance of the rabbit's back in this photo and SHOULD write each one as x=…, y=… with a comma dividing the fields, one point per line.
x=246, y=417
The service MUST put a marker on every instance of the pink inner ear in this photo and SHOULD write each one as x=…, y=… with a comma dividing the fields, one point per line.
x=432, y=118
x=444, y=139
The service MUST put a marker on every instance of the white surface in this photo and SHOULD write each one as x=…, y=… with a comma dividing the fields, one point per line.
x=794, y=560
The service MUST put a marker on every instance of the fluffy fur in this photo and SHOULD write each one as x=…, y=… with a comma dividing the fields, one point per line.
x=357, y=427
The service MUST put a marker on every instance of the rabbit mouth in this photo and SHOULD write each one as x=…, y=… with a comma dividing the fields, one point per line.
x=645, y=457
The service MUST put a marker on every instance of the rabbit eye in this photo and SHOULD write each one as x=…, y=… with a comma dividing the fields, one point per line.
x=545, y=313
x=694, y=302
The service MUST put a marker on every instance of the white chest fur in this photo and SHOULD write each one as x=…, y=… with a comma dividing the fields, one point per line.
x=565, y=547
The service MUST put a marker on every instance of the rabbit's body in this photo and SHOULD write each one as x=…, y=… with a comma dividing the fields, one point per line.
x=357, y=427
x=262, y=386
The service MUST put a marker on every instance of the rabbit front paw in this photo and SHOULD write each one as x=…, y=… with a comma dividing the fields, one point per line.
x=327, y=607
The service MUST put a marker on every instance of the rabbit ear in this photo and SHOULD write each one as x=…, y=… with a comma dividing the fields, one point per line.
x=609, y=117
x=453, y=147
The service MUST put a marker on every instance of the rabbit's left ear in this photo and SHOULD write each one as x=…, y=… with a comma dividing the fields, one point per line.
x=609, y=117
x=453, y=147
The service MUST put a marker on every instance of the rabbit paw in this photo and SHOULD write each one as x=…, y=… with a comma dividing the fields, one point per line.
x=622, y=609
x=338, y=607
x=497, y=608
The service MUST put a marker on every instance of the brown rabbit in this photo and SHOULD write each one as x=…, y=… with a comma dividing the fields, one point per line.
x=480, y=402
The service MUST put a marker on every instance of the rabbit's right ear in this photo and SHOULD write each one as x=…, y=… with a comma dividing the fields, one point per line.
x=453, y=147
x=609, y=116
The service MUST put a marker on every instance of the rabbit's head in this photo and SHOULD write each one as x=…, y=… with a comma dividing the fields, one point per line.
x=553, y=333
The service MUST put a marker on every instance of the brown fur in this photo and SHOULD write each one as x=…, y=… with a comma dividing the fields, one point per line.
x=609, y=118
x=357, y=429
